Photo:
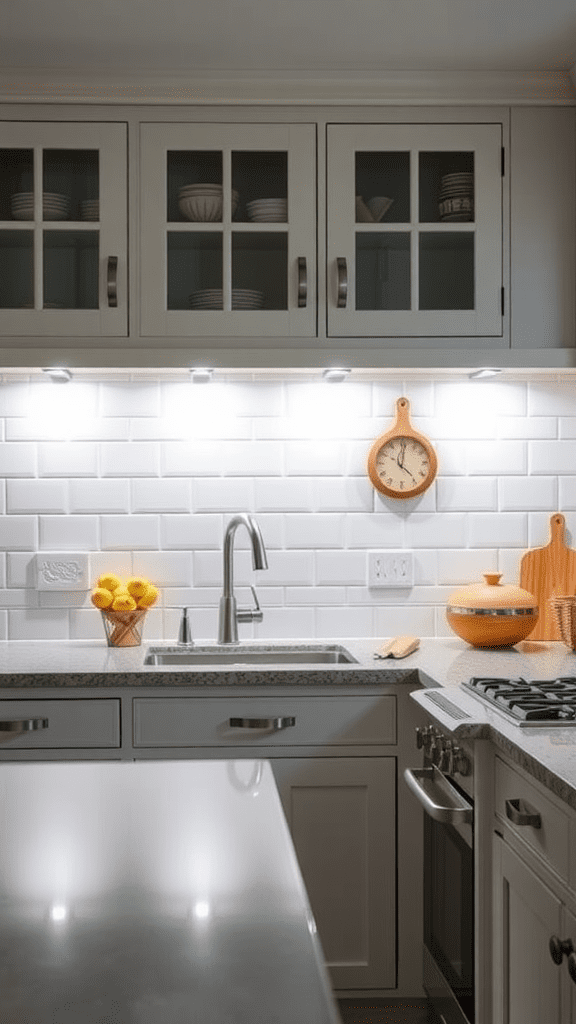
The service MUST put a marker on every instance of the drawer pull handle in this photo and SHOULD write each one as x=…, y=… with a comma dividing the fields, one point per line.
x=342, y=271
x=19, y=725
x=559, y=948
x=276, y=724
x=520, y=813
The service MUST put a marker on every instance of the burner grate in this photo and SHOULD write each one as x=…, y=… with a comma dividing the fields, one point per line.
x=549, y=701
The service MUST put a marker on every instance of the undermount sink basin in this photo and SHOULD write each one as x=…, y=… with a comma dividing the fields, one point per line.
x=319, y=654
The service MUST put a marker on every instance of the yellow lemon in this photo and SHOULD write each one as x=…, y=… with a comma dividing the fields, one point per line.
x=101, y=597
x=148, y=597
x=123, y=603
x=109, y=581
x=137, y=586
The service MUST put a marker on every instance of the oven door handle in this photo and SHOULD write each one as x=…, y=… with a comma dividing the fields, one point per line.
x=438, y=797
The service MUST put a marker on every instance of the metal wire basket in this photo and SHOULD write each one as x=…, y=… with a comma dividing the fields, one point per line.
x=564, y=609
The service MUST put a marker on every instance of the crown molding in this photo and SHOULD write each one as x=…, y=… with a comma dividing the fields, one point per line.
x=233, y=88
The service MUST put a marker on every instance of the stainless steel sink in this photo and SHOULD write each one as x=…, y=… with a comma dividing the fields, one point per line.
x=315, y=654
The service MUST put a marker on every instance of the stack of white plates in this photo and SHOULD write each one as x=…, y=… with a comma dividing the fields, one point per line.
x=211, y=298
x=90, y=209
x=457, y=197
x=54, y=206
x=267, y=210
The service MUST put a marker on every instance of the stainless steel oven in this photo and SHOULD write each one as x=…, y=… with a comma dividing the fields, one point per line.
x=444, y=787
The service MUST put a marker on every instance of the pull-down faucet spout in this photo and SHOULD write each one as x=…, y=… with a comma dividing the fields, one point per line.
x=229, y=614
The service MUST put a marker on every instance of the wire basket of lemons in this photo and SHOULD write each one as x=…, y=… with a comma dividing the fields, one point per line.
x=123, y=607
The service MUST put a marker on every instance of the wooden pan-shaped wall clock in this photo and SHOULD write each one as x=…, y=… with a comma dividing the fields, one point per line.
x=402, y=463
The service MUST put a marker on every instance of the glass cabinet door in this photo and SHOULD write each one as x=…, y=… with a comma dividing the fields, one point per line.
x=63, y=229
x=228, y=229
x=414, y=230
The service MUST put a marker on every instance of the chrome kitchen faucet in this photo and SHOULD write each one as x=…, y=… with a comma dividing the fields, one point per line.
x=229, y=614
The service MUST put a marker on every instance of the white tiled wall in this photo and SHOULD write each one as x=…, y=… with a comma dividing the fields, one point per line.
x=144, y=476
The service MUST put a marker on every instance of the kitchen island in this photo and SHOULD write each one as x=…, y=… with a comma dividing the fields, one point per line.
x=140, y=893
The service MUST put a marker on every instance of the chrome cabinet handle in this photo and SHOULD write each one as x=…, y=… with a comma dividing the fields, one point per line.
x=276, y=724
x=342, y=282
x=302, y=282
x=19, y=725
x=112, y=281
x=559, y=948
x=520, y=813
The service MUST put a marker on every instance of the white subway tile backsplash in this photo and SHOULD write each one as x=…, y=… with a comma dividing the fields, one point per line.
x=501, y=529
x=129, y=458
x=144, y=476
x=160, y=495
x=99, y=496
x=37, y=496
x=552, y=457
x=132, y=532
x=68, y=533
x=527, y=493
x=344, y=567
x=67, y=459
x=17, y=459
x=315, y=530
x=466, y=494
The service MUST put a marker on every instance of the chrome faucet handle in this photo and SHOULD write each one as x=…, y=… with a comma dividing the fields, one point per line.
x=185, y=631
x=254, y=614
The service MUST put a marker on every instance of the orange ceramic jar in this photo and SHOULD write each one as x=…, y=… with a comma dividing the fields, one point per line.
x=492, y=614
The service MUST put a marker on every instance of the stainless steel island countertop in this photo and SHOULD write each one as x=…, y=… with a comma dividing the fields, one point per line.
x=163, y=892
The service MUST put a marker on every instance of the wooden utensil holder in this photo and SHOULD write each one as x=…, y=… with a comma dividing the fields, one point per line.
x=564, y=610
x=123, y=629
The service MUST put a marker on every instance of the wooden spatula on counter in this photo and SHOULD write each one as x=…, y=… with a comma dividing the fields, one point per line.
x=549, y=572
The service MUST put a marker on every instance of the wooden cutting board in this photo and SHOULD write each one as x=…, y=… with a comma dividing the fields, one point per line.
x=548, y=572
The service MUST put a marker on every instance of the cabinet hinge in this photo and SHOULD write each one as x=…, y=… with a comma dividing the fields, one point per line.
x=502, y=301
x=502, y=161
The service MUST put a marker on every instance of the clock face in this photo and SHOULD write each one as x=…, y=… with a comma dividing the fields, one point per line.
x=403, y=465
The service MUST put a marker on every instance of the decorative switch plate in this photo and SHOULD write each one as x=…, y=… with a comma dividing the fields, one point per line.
x=62, y=571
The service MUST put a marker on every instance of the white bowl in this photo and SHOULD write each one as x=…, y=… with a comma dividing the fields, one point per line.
x=201, y=207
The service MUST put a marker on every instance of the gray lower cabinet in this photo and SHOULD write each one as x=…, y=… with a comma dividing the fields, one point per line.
x=31, y=728
x=340, y=803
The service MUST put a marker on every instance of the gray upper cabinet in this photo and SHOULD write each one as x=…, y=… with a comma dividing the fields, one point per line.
x=63, y=230
x=415, y=231
x=228, y=229
x=373, y=237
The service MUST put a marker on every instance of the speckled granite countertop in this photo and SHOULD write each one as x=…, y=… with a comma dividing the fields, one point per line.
x=548, y=753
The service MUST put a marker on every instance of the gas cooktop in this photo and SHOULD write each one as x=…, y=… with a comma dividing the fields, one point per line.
x=534, y=702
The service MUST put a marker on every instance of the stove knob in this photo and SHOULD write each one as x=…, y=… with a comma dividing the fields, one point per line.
x=424, y=737
x=446, y=763
x=436, y=747
x=461, y=762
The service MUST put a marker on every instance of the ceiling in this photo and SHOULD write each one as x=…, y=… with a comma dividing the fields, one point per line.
x=322, y=37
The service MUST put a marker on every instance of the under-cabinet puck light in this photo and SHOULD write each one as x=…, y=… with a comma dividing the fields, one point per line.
x=201, y=375
x=336, y=374
x=484, y=371
x=57, y=373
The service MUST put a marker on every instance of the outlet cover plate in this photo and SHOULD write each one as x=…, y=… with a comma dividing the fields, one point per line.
x=62, y=571
x=390, y=569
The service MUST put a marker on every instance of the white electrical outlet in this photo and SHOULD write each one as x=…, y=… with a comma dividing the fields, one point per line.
x=62, y=571
x=390, y=569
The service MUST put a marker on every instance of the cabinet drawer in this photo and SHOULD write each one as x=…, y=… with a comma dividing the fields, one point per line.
x=194, y=721
x=551, y=840
x=71, y=723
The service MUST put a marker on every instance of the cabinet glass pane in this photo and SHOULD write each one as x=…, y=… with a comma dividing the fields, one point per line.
x=381, y=176
x=446, y=186
x=71, y=270
x=446, y=270
x=70, y=181
x=259, y=270
x=16, y=270
x=194, y=184
x=382, y=270
x=194, y=270
x=261, y=182
x=16, y=184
